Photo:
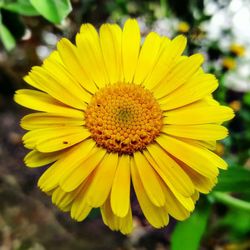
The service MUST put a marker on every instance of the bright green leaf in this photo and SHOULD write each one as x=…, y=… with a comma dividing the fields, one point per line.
x=23, y=7
x=235, y=179
x=6, y=37
x=53, y=10
x=188, y=234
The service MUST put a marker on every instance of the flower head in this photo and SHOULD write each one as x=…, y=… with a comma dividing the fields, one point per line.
x=183, y=27
x=239, y=79
x=112, y=110
x=235, y=105
x=229, y=63
x=237, y=49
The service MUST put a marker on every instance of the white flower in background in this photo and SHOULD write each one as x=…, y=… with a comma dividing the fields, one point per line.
x=234, y=17
x=145, y=29
x=165, y=26
x=239, y=79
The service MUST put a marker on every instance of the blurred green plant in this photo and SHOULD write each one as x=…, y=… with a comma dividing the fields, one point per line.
x=53, y=10
x=188, y=234
x=235, y=181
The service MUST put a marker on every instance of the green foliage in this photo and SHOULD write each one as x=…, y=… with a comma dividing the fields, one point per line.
x=6, y=37
x=22, y=7
x=246, y=99
x=188, y=234
x=236, y=223
x=235, y=179
x=52, y=10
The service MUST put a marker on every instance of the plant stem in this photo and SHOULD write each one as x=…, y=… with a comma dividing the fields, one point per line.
x=163, y=4
x=231, y=201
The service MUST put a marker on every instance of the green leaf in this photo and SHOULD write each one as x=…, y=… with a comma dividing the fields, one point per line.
x=239, y=229
x=23, y=7
x=6, y=37
x=53, y=10
x=235, y=179
x=246, y=99
x=188, y=234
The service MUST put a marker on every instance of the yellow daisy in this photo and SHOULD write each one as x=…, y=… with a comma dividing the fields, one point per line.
x=112, y=110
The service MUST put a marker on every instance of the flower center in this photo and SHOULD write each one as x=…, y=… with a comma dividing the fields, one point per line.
x=123, y=118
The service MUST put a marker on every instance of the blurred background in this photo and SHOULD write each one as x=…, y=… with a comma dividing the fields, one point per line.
x=29, y=31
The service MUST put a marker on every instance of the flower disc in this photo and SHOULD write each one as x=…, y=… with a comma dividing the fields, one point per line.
x=123, y=118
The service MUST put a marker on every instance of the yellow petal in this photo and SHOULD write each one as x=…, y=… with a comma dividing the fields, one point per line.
x=51, y=143
x=71, y=179
x=198, y=115
x=70, y=159
x=196, y=158
x=55, y=57
x=72, y=61
x=207, y=144
x=147, y=57
x=124, y=224
x=203, y=145
x=37, y=159
x=40, y=101
x=199, y=86
x=149, y=179
x=201, y=183
x=69, y=82
x=57, y=88
x=130, y=48
x=168, y=55
x=111, y=44
x=184, y=200
x=173, y=206
x=156, y=216
x=46, y=120
x=170, y=171
x=198, y=132
x=120, y=193
x=89, y=49
x=62, y=199
x=207, y=101
x=101, y=184
x=196, y=196
x=182, y=72
x=54, y=138
x=80, y=208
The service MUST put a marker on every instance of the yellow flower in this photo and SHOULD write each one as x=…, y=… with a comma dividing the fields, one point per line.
x=235, y=105
x=183, y=27
x=229, y=63
x=238, y=49
x=112, y=110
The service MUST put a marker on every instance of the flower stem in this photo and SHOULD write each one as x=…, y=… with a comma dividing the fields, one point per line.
x=231, y=201
x=163, y=4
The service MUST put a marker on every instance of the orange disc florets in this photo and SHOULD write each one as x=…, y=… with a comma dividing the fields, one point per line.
x=123, y=118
